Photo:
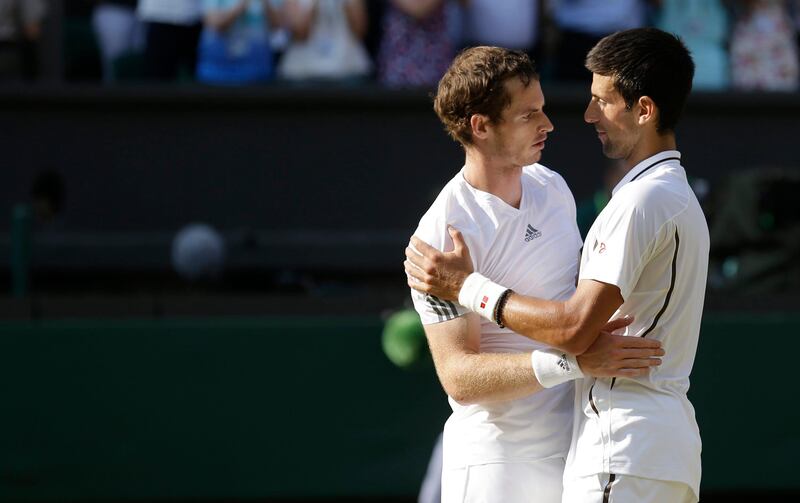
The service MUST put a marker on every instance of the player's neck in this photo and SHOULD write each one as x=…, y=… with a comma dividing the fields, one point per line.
x=650, y=146
x=500, y=180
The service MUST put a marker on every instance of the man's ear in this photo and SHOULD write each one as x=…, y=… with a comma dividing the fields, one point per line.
x=480, y=126
x=647, y=110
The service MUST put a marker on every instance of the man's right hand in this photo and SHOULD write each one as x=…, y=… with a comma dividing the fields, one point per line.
x=620, y=356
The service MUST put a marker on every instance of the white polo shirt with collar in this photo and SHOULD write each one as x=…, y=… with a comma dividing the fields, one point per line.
x=652, y=242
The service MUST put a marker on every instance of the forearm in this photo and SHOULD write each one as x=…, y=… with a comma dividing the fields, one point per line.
x=557, y=324
x=572, y=325
x=299, y=18
x=488, y=377
x=356, y=14
x=272, y=15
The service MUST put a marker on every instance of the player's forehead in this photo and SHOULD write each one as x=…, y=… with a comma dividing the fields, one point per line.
x=604, y=86
x=524, y=97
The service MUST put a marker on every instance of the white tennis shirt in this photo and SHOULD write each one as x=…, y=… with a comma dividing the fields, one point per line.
x=535, y=251
x=652, y=242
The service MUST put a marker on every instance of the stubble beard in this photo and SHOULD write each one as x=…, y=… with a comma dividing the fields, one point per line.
x=612, y=150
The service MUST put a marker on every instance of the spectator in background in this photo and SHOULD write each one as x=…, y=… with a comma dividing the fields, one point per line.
x=173, y=30
x=513, y=24
x=235, y=43
x=417, y=45
x=20, y=30
x=582, y=23
x=703, y=25
x=764, y=47
x=118, y=32
x=325, y=40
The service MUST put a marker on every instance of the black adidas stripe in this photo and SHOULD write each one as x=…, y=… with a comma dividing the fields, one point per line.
x=429, y=299
x=444, y=309
x=452, y=308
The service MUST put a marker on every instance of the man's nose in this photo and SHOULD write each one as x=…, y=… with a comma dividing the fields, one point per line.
x=589, y=115
x=547, y=127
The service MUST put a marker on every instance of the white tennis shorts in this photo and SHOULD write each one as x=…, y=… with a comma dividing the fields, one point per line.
x=616, y=488
x=538, y=481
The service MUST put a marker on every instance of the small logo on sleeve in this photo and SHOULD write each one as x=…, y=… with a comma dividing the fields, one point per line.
x=599, y=247
x=531, y=233
x=484, y=300
x=564, y=363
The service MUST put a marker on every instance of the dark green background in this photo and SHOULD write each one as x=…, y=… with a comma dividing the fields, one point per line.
x=263, y=408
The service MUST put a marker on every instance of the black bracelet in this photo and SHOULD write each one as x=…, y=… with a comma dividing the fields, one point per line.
x=498, y=309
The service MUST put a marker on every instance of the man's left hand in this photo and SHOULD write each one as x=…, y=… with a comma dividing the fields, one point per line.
x=440, y=274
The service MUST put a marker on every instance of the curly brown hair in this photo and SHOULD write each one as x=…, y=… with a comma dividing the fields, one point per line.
x=475, y=84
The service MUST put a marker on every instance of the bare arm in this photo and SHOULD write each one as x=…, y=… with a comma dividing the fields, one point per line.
x=469, y=376
x=356, y=13
x=419, y=9
x=221, y=20
x=272, y=15
x=299, y=18
x=571, y=326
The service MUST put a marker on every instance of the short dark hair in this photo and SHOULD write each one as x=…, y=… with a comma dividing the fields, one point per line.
x=647, y=62
x=475, y=84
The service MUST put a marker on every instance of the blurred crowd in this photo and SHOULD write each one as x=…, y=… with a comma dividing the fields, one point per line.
x=737, y=44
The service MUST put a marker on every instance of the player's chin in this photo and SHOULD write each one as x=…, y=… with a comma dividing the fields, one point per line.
x=534, y=157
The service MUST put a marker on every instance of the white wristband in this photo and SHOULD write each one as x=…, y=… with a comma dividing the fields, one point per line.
x=553, y=367
x=480, y=295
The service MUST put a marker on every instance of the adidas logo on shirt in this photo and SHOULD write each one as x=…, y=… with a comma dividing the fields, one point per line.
x=564, y=363
x=531, y=233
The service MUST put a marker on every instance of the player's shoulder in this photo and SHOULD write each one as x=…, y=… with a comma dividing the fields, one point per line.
x=453, y=199
x=541, y=175
x=670, y=194
x=453, y=206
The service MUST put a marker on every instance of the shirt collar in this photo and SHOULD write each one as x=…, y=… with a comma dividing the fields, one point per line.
x=646, y=166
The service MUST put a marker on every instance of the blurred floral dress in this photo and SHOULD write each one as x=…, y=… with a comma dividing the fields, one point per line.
x=764, y=53
x=415, y=52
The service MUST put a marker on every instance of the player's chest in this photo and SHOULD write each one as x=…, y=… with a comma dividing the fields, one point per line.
x=538, y=246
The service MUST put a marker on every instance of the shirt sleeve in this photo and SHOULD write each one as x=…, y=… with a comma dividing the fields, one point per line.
x=623, y=241
x=432, y=309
